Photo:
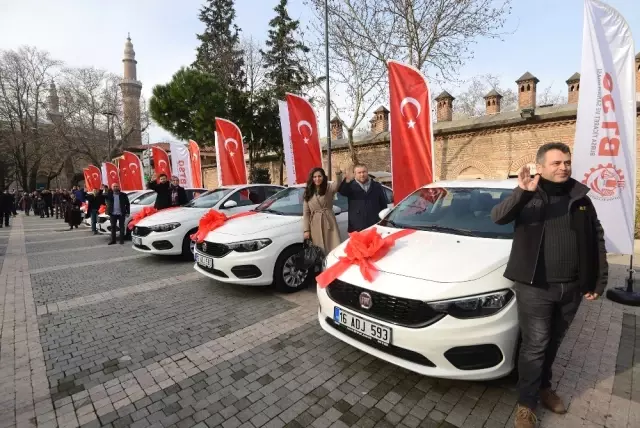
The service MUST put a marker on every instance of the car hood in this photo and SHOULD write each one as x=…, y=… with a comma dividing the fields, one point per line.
x=173, y=215
x=255, y=224
x=440, y=257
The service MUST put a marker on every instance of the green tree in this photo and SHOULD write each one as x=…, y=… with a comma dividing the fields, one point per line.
x=259, y=175
x=219, y=52
x=285, y=72
x=188, y=104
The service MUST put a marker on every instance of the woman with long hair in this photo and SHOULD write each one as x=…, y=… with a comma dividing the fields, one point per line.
x=319, y=220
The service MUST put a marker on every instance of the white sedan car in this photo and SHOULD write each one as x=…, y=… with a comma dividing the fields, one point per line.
x=440, y=305
x=168, y=231
x=260, y=249
x=146, y=199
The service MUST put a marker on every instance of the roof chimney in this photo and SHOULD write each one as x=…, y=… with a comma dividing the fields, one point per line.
x=573, y=88
x=337, y=131
x=492, y=100
x=527, y=91
x=380, y=120
x=444, y=102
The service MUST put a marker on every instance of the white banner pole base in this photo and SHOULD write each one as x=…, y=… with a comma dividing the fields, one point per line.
x=625, y=295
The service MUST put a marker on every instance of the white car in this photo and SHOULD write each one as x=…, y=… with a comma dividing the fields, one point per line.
x=260, y=249
x=131, y=194
x=146, y=199
x=440, y=305
x=168, y=232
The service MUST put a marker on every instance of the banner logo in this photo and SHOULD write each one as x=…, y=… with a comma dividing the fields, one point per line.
x=605, y=182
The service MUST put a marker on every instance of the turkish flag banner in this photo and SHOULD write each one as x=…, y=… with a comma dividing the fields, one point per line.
x=411, y=130
x=230, y=154
x=304, y=138
x=113, y=176
x=196, y=164
x=125, y=180
x=135, y=172
x=87, y=179
x=95, y=177
x=161, y=164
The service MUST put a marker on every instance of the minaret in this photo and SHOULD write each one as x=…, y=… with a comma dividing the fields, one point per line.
x=131, y=89
x=53, y=105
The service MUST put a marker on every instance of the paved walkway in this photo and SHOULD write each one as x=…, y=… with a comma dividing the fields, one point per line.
x=92, y=335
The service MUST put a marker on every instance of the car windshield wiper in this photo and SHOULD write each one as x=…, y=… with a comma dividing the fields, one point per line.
x=391, y=223
x=269, y=210
x=438, y=228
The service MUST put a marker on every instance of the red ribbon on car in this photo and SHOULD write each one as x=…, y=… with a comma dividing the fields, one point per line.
x=363, y=250
x=144, y=212
x=211, y=221
x=102, y=209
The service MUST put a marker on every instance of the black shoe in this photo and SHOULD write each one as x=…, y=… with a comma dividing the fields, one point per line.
x=111, y=242
x=121, y=242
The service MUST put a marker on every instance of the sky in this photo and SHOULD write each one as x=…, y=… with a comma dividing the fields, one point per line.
x=542, y=36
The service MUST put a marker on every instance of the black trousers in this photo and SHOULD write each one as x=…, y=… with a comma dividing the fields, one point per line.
x=6, y=216
x=119, y=221
x=544, y=315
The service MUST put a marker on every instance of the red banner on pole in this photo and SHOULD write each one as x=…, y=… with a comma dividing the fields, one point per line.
x=95, y=177
x=304, y=144
x=87, y=180
x=411, y=130
x=161, y=164
x=230, y=154
x=196, y=164
x=113, y=175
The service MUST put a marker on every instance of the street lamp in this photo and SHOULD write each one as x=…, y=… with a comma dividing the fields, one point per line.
x=326, y=53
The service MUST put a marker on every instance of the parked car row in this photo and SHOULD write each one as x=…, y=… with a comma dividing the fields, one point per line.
x=439, y=305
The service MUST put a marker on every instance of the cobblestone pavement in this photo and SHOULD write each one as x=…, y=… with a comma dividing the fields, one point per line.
x=95, y=335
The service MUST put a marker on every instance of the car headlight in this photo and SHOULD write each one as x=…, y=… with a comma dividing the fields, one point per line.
x=249, y=246
x=166, y=227
x=475, y=306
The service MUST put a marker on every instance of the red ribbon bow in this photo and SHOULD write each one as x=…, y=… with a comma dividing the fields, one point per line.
x=363, y=250
x=144, y=212
x=102, y=209
x=85, y=206
x=211, y=221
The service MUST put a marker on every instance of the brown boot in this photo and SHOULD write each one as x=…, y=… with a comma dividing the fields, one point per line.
x=552, y=401
x=525, y=418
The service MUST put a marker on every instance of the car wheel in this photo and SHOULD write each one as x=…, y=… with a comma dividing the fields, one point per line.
x=288, y=278
x=188, y=246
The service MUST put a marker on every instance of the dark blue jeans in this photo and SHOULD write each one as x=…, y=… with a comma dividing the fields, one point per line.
x=94, y=220
x=544, y=315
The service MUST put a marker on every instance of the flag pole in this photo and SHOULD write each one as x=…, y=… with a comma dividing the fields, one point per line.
x=326, y=53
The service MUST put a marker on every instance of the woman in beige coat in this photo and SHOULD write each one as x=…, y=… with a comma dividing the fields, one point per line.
x=319, y=220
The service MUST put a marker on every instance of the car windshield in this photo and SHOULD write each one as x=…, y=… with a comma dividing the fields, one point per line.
x=455, y=210
x=286, y=202
x=146, y=199
x=209, y=199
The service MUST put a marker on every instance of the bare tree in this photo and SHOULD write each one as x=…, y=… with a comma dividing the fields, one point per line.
x=355, y=79
x=255, y=74
x=435, y=36
x=548, y=96
x=24, y=75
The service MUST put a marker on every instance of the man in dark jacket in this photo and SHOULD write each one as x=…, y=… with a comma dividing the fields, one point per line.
x=366, y=198
x=94, y=200
x=118, y=209
x=48, y=202
x=557, y=256
x=169, y=194
x=6, y=208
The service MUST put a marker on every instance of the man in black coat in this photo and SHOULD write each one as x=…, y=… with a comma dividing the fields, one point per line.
x=48, y=202
x=6, y=208
x=94, y=200
x=118, y=208
x=169, y=194
x=366, y=198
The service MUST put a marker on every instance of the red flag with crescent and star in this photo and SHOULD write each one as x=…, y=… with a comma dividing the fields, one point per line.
x=87, y=179
x=411, y=130
x=196, y=164
x=161, y=164
x=305, y=140
x=135, y=173
x=123, y=172
x=95, y=177
x=113, y=175
x=230, y=154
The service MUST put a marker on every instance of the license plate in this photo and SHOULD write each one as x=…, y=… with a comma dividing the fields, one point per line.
x=136, y=240
x=361, y=326
x=204, y=261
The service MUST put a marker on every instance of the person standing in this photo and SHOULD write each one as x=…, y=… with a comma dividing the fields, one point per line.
x=94, y=200
x=48, y=202
x=170, y=194
x=74, y=215
x=25, y=203
x=41, y=205
x=118, y=209
x=319, y=221
x=558, y=255
x=6, y=208
x=57, y=202
x=366, y=198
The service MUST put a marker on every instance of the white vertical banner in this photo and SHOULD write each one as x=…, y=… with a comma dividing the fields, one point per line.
x=286, y=140
x=181, y=164
x=103, y=170
x=604, y=156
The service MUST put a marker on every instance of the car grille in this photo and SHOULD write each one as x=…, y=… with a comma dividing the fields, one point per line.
x=141, y=231
x=213, y=249
x=396, y=310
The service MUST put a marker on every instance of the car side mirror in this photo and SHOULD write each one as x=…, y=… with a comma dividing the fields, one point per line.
x=382, y=214
x=337, y=210
x=230, y=204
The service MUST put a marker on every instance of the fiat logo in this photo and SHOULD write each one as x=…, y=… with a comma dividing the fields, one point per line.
x=366, y=302
x=204, y=246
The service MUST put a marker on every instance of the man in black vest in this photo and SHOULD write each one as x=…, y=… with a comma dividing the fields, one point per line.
x=557, y=256
x=366, y=198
